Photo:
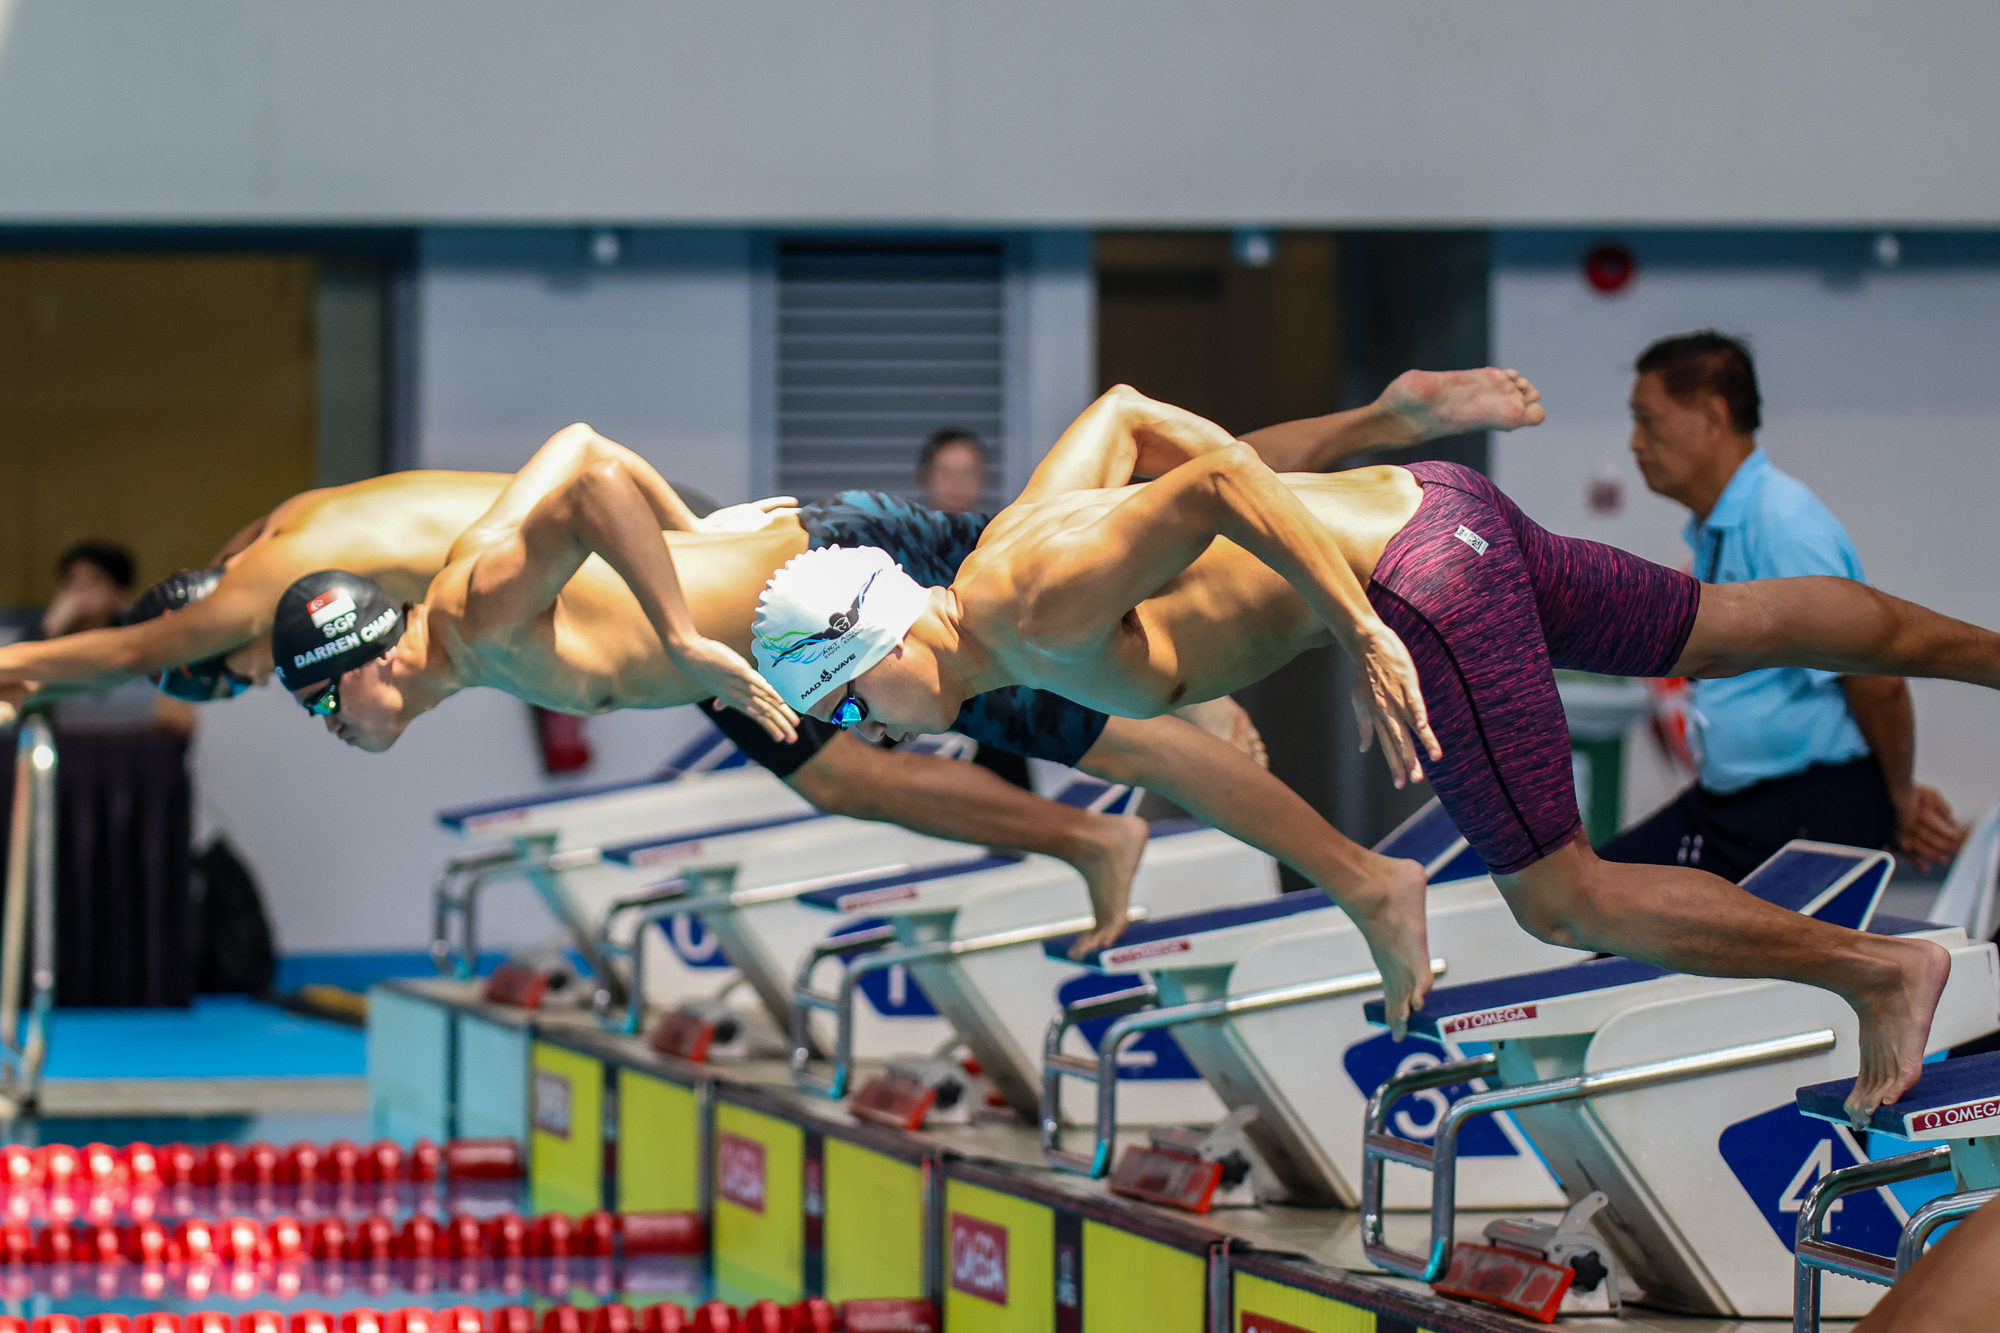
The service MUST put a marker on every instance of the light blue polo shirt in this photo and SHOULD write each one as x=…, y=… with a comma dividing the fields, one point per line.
x=1770, y=724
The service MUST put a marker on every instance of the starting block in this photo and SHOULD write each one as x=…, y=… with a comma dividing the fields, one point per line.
x=554, y=840
x=970, y=936
x=1955, y=1111
x=1673, y=1094
x=1244, y=989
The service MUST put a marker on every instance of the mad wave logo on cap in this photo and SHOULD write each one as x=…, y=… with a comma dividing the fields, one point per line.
x=1486, y=1018
x=799, y=646
x=333, y=612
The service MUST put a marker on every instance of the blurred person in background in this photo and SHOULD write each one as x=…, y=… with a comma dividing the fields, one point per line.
x=93, y=591
x=1784, y=753
x=952, y=471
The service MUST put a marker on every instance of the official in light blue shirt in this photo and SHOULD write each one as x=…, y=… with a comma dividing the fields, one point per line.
x=1770, y=724
x=1786, y=753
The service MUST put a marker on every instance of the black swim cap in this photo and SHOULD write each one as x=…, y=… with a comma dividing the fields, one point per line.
x=330, y=623
x=195, y=682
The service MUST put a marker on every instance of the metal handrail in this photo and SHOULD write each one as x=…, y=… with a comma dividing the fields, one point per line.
x=1441, y=1156
x=459, y=885
x=1812, y=1256
x=30, y=908
x=669, y=895
x=1917, y=1231
x=1103, y=1071
x=806, y=1000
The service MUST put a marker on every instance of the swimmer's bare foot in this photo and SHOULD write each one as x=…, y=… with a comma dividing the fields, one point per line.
x=1433, y=404
x=1108, y=864
x=1227, y=720
x=1895, y=1023
x=1389, y=908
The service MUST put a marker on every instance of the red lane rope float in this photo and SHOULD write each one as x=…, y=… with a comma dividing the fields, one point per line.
x=812, y=1315
x=60, y=1166
x=372, y=1239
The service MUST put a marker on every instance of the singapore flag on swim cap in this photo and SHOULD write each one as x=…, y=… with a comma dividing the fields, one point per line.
x=830, y=615
x=327, y=609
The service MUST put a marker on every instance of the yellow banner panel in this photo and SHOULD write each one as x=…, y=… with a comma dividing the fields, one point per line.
x=1135, y=1285
x=999, y=1262
x=566, y=1137
x=759, y=1242
x=659, y=1145
x=874, y=1225
x=1263, y=1306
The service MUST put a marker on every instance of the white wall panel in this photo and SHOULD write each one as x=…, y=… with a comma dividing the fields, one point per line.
x=1878, y=393
x=1042, y=112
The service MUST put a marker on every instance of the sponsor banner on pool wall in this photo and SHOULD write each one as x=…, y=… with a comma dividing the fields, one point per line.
x=740, y=1171
x=979, y=1258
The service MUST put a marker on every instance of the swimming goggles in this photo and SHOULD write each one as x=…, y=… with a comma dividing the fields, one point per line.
x=327, y=702
x=850, y=711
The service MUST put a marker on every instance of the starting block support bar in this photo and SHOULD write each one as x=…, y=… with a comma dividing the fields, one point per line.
x=841, y=1003
x=669, y=896
x=1104, y=1071
x=455, y=892
x=1441, y=1157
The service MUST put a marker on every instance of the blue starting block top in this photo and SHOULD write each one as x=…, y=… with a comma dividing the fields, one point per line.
x=625, y=852
x=1195, y=923
x=1838, y=885
x=1950, y=1093
x=1430, y=838
x=1884, y=924
x=1447, y=1002
x=884, y=887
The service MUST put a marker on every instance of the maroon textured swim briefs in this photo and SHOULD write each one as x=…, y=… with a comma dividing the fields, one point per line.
x=1489, y=603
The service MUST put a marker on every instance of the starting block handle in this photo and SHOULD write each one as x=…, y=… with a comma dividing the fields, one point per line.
x=806, y=1001
x=455, y=892
x=1813, y=1255
x=1378, y=1148
x=1917, y=1231
x=1056, y=1066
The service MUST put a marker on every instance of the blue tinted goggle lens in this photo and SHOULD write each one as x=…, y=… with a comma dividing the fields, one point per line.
x=327, y=702
x=850, y=711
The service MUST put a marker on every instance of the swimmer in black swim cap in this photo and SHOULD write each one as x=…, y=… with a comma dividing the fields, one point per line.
x=328, y=624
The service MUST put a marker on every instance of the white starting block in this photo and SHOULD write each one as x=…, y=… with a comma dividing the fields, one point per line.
x=742, y=884
x=1671, y=1093
x=971, y=936
x=553, y=840
x=1955, y=1110
x=1244, y=989
x=576, y=848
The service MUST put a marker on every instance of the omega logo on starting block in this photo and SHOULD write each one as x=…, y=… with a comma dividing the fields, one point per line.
x=740, y=1171
x=979, y=1258
x=1486, y=1018
x=552, y=1104
x=1157, y=949
x=1944, y=1117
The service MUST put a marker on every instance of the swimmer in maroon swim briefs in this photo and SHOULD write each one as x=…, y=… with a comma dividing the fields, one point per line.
x=1135, y=598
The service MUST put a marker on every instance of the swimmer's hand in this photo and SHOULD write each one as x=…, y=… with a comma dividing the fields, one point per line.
x=736, y=684
x=752, y=517
x=13, y=693
x=1389, y=704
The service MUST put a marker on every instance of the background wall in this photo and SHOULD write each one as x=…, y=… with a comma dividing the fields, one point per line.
x=1878, y=393
x=1120, y=112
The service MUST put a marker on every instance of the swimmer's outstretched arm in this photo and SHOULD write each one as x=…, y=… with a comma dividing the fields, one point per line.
x=1418, y=405
x=1124, y=434
x=564, y=456
x=234, y=615
x=610, y=508
x=1083, y=581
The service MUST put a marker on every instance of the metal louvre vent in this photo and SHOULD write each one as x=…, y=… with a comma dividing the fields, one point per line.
x=879, y=345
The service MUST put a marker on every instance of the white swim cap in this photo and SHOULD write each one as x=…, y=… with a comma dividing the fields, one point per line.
x=828, y=616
